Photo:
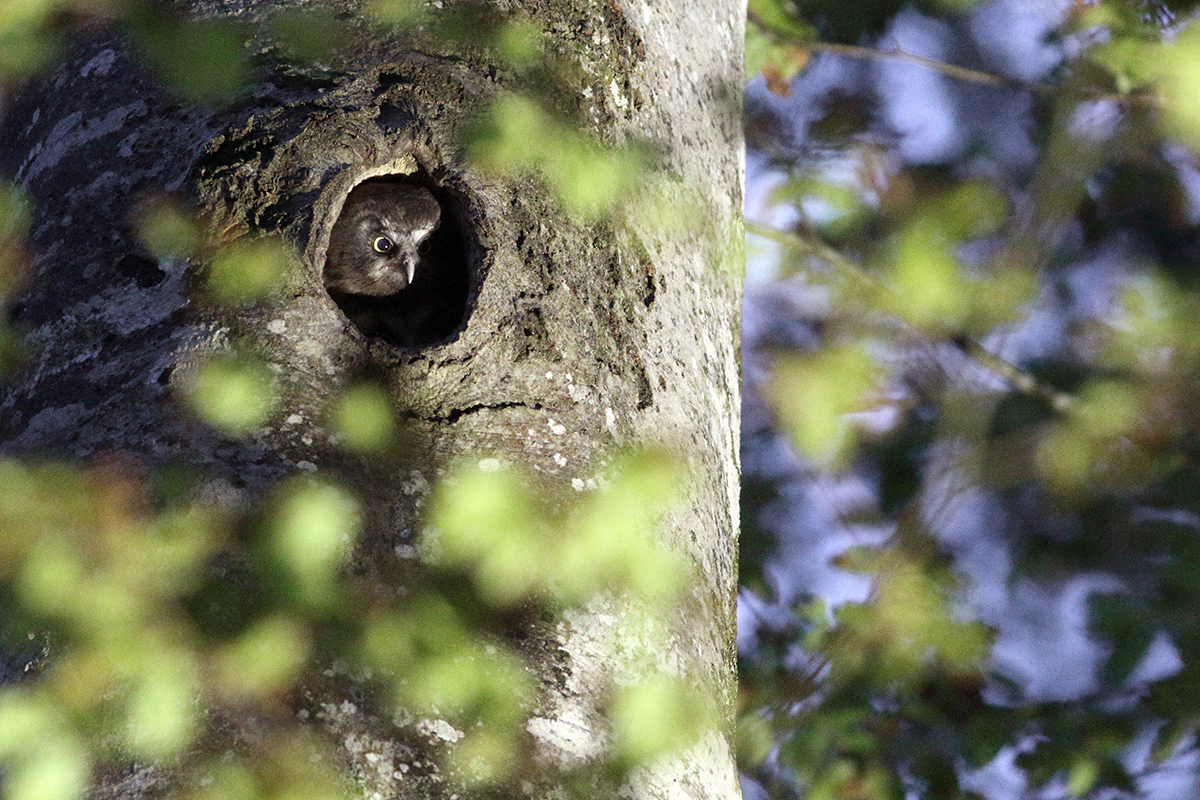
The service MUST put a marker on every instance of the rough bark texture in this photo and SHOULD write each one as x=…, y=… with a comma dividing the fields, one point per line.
x=578, y=339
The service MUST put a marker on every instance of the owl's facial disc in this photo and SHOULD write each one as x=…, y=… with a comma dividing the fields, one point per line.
x=374, y=244
x=394, y=254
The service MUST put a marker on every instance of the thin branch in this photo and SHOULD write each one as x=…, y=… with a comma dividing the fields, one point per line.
x=1020, y=380
x=952, y=70
x=817, y=249
x=856, y=51
x=977, y=76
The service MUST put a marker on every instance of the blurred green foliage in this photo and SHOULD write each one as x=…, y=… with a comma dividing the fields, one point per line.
x=519, y=137
x=397, y=12
x=516, y=548
x=1085, y=450
x=246, y=269
x=166, y=228
x=363, y=420
x=815, y=396
x=28, y=39
x=233, y=392
x=204, y=61
x=124, y=586
x=14, y=219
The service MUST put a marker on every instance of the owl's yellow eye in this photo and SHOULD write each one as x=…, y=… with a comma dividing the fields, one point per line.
x=382, y=244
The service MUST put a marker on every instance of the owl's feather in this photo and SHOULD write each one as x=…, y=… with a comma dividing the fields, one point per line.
x=373, y=247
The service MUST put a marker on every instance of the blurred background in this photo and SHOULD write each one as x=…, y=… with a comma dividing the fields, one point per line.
x=970, y=502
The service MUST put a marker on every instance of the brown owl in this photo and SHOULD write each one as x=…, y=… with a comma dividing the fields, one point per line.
x=374, y=245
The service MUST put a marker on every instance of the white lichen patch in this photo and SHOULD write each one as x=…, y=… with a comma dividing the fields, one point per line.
x=560, y=459
x=294, y=419
x=618, y=97
x=277, y=326
x=703, y=770
x=439, y=729
x=609, y=643
x=307, y=466
x=415, y=484
x=490, y=465
x=557, y=428
x=571, y=739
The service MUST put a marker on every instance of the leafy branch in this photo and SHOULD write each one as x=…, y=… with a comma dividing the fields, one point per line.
x=1019, y=379
x=799, y=44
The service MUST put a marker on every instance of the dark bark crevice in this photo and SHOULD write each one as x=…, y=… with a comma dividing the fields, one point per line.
x=455, y=414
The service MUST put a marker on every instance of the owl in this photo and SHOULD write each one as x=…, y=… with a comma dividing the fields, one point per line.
x=374, y=247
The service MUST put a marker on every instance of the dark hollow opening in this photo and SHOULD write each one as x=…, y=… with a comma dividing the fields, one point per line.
x=433, y=309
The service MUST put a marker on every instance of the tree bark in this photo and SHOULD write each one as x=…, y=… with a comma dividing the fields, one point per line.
x=572, y=339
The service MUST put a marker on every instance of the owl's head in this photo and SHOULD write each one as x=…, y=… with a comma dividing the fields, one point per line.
x=375, y=245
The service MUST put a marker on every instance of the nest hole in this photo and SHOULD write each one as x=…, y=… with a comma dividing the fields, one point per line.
x=434, y=308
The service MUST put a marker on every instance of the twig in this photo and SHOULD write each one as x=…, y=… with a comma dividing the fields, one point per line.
x=952, y=70
x=1017, y=378
x=816, y=249
x=977, y=76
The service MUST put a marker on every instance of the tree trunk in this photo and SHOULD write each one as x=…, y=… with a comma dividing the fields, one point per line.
x=554, y=344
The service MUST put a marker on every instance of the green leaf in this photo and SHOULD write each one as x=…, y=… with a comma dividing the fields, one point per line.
x=247, y=269
x=1126, y=624
x=1082, y=777
x=231, y=393
x=362, y=418
x=771, y=16
x=1168, y=738
x=985, y=733
x=205, y=61
x=311, y=536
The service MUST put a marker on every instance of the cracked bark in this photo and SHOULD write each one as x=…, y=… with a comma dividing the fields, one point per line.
x=581, y=339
